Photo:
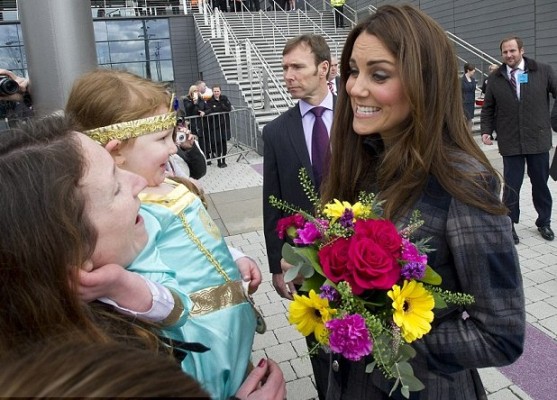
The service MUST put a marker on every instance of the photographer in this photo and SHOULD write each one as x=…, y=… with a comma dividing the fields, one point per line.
x=15, y=99
x=189, y=152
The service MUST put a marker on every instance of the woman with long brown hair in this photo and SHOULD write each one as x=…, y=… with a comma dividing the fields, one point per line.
x=400, y=132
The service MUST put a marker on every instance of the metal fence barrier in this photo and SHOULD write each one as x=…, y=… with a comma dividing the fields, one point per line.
x=225, y=134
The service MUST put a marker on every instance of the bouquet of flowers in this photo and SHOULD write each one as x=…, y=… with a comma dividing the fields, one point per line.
x=369, y=288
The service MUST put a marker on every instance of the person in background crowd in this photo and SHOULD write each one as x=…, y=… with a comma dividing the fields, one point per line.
x=468, y=89
x=189, y=151
x=338, y=9
x=219, y=125
x=195, y=108
x=333, y=80
x=204, y=91
x=15, y=99
x=492, y=68
x=517, y=103
x=416, y=153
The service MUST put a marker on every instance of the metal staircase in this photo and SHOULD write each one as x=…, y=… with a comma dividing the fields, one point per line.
x=248, y=47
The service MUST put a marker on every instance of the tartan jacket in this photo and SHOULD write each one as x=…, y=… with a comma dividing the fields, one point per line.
x=474, y=253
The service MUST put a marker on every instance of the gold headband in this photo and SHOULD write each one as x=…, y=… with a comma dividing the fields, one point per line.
x=132, y=129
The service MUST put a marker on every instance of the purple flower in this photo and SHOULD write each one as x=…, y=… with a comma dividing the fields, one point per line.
x=328, y=292
x=413, y=270
x=349, y=336
x=308, y=234
x=347, y=218
x=410, y=253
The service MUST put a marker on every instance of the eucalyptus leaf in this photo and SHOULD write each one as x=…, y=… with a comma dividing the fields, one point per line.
x=314, y=282
x=439, y=302
x=404, y=391
x=413, y=383
x=406, y=352
x=370, y=367
x=311, y=257
x=290, y=254
x=394, y=387
x=404, y=369
x=292, y=273
x=431, y=277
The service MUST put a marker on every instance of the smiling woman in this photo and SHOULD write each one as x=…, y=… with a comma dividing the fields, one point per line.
x=45, y=169
x=400, y=132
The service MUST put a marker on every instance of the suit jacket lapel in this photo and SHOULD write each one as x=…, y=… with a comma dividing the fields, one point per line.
x=295, y=130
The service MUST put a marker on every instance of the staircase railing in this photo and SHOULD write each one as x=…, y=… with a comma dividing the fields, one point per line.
x=268, y=74
x=258, y=67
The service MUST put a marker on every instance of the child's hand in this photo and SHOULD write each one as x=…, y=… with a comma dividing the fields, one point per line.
x=250, y=273
x=125, y=288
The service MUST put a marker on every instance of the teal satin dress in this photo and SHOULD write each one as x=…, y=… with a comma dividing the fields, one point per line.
x=186, y=252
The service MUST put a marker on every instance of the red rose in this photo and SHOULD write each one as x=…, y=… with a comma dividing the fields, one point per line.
x=334, y=258
x=382, y=232
x=370, y=266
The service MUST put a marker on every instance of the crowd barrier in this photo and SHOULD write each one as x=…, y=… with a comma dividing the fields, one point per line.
x=223, y=135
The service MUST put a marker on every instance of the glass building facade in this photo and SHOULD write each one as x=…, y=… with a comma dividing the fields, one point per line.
x=141, y=46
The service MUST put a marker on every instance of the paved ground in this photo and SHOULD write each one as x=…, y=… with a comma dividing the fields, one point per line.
x=235, y=197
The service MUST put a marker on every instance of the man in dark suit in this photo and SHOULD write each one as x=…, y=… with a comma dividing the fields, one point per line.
x=517, y=102
x=288, y=148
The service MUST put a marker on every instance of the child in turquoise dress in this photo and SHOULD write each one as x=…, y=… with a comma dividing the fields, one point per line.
x=130, y=116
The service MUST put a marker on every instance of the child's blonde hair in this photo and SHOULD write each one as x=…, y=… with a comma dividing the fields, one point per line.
x=105, y=96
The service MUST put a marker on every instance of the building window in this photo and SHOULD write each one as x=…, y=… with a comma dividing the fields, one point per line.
x=141, y=46
x=12, y=54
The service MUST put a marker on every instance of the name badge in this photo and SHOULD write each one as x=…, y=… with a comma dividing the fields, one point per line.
x=523, y=78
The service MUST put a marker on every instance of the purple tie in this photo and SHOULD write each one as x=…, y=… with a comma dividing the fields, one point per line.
x=319, y=145
x=513, y=79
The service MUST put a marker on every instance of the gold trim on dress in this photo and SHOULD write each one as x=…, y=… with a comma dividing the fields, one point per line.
x=202, y=248
x=216, y=298
x=179, y=198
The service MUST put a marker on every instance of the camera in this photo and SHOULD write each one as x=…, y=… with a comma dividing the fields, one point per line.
x=181, y=137
x=8, y=85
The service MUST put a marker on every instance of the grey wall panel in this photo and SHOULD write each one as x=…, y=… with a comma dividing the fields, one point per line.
x=483, y=23
x=184, y=55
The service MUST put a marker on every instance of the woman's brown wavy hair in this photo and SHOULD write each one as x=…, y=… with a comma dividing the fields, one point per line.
x=434, y=140
x=46, y=237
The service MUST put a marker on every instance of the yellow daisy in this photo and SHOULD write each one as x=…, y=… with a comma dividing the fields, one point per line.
x=336, y=208
x=309, y=314
x=413, y=306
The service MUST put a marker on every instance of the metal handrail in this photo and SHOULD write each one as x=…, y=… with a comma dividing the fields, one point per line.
x=321, y=31
x=283, y=93
x=261, y=64
x=275, y=27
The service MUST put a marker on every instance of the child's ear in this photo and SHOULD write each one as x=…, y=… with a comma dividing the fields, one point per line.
x=114, y=147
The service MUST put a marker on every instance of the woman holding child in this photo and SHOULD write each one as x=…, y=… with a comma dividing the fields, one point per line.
x=54, y=181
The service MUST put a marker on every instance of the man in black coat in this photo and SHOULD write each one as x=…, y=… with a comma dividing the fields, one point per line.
x=517, y=102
